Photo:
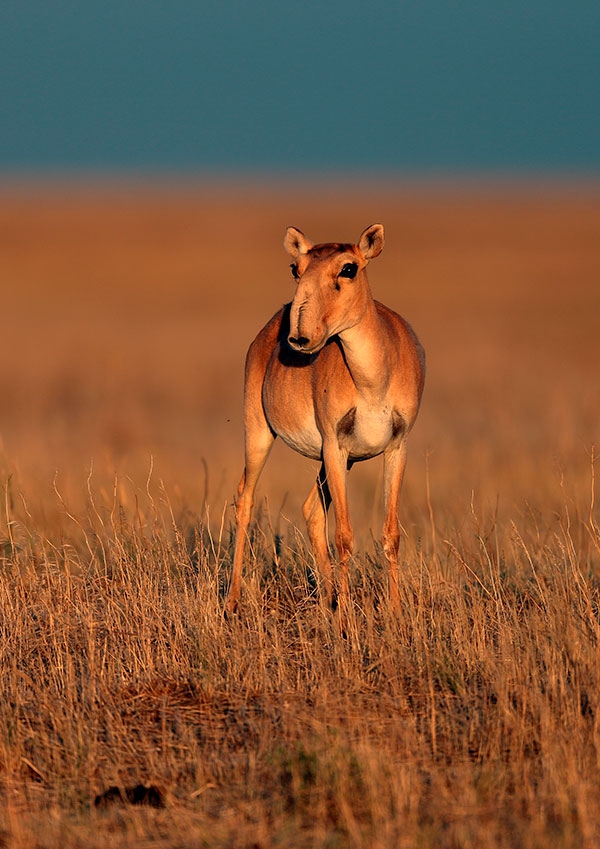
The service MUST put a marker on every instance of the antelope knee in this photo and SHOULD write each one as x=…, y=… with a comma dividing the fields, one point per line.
x=344, y=542
x=390, y=540
x=243, y=509
x=241, y=485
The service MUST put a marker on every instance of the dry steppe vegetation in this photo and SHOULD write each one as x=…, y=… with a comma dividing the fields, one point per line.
x=471, y=719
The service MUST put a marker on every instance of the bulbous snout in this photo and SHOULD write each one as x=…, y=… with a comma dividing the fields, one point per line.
x=307, y=332
x=301, y=321
x=299, y=343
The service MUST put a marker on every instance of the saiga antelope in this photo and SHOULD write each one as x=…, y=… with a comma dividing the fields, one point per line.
x=338, y=376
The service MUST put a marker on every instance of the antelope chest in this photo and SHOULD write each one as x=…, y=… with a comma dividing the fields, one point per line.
x=367, y=431
x=301, y=404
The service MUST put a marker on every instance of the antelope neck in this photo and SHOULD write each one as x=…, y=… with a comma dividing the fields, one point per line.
x=366, y=355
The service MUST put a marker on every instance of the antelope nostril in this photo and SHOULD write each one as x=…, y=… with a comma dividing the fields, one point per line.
x=298, y=341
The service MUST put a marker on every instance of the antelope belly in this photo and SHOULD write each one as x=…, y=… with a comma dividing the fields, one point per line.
x=298, y=431
x=305, y=440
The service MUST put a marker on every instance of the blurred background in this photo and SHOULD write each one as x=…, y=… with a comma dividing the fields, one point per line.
x=152, y=155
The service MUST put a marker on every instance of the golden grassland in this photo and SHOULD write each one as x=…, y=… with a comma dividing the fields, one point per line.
x=471, y=719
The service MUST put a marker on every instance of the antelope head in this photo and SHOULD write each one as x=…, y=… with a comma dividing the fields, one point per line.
x=332, y=291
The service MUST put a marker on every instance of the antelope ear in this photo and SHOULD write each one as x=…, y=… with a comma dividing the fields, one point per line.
x=371, y=241
x=296, y=243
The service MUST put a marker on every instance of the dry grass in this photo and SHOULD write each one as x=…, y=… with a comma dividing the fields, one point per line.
x=470, y=720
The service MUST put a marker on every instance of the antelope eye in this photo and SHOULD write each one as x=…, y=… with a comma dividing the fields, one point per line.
x=349, y=270
x=294, y=268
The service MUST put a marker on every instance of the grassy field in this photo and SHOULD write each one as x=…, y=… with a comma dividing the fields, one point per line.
x=469, y=720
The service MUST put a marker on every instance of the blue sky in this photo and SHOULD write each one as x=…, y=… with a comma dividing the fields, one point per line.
x=335, y=85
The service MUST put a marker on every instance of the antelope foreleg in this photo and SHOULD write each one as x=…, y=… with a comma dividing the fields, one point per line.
x=394, y=463
x=315, y=514
x=257, y=451
x=335, y=462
